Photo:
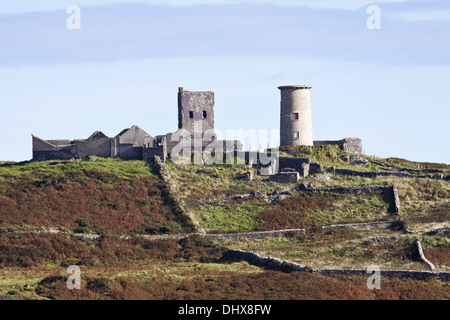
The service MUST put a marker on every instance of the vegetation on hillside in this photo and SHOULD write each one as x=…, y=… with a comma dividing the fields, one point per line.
x=107, y=196
x=147, y=246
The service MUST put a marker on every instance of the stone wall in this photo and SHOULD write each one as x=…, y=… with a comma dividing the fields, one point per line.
x=130, y=152
x=397, y=274
x=59, y=143
x=383, y=224
x=285, y=177
x=288, y=266
x=255, y=234
x=315, y=168
x=374, y=174
x=301, y=165
x=162, y=169
x=351, y=145
x=43, y=150
x=396, y=199
x=347, y=190
x=195, y=107
x=422, y=255
x=148, y=154
x=98, y=147
x=395, y=207
x=265, y=262
x=66, y=153
x=181, y=140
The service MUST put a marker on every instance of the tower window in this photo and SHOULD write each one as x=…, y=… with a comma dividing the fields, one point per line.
x=191, y=114
x=204, y=114
x=295, y=116
x=296, y=135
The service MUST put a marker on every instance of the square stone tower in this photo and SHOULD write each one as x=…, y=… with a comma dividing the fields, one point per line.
x=195, y=108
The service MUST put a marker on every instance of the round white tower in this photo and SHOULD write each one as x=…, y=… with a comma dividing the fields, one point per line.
x=295, y=116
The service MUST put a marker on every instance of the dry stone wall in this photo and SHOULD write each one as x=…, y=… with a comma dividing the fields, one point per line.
x=422, y=255
x=288, y=266
x=397, y=274
x=383, y=224
x=375, y=174
x=257, y=234
x=266, y=262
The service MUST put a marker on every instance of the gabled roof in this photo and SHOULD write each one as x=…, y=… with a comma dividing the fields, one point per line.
x=122, y=132
x=97, y=135
x=41, y=142
x=134, y=127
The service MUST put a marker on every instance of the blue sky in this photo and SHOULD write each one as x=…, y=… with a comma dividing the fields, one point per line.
x=123, y=67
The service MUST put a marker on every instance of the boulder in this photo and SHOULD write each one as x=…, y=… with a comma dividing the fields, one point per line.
x=359, y=161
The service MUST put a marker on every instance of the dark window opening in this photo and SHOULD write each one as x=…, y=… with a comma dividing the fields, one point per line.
x=296, y=135
x=204, y=114
x=191, y=114
x=295, y=116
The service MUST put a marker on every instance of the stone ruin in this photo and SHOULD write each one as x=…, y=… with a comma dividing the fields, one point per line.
x=195, y=120
x=195, y=134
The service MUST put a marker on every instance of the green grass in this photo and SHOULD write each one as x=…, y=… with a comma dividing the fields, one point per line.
x=245, y=215
x=424, y=206
x=328, y=156
x=31, y=170
x=403, y=163
x=345, y=249
x=226, y=217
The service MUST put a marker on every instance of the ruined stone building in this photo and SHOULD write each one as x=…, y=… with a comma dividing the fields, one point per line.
x=128, y=144
x=195, y=124
x=195, y=132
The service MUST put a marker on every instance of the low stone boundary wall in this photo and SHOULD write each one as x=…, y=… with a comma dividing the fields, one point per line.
x=289, y=266
x=256, y=234
x=51, y=231
x=397, y=274
x=374, y=174
x=395, y=208
x=438, y=232
x=266, y=262
x=162, y=169
x=396, y=199
x=347, y=190
x=422, y=255
x=384, y=224
x=422, y=170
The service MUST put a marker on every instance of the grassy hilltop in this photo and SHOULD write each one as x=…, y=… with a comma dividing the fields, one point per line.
x=136, y=235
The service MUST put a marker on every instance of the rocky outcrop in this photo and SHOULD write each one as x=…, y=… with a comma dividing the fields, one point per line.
x=360, y=161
